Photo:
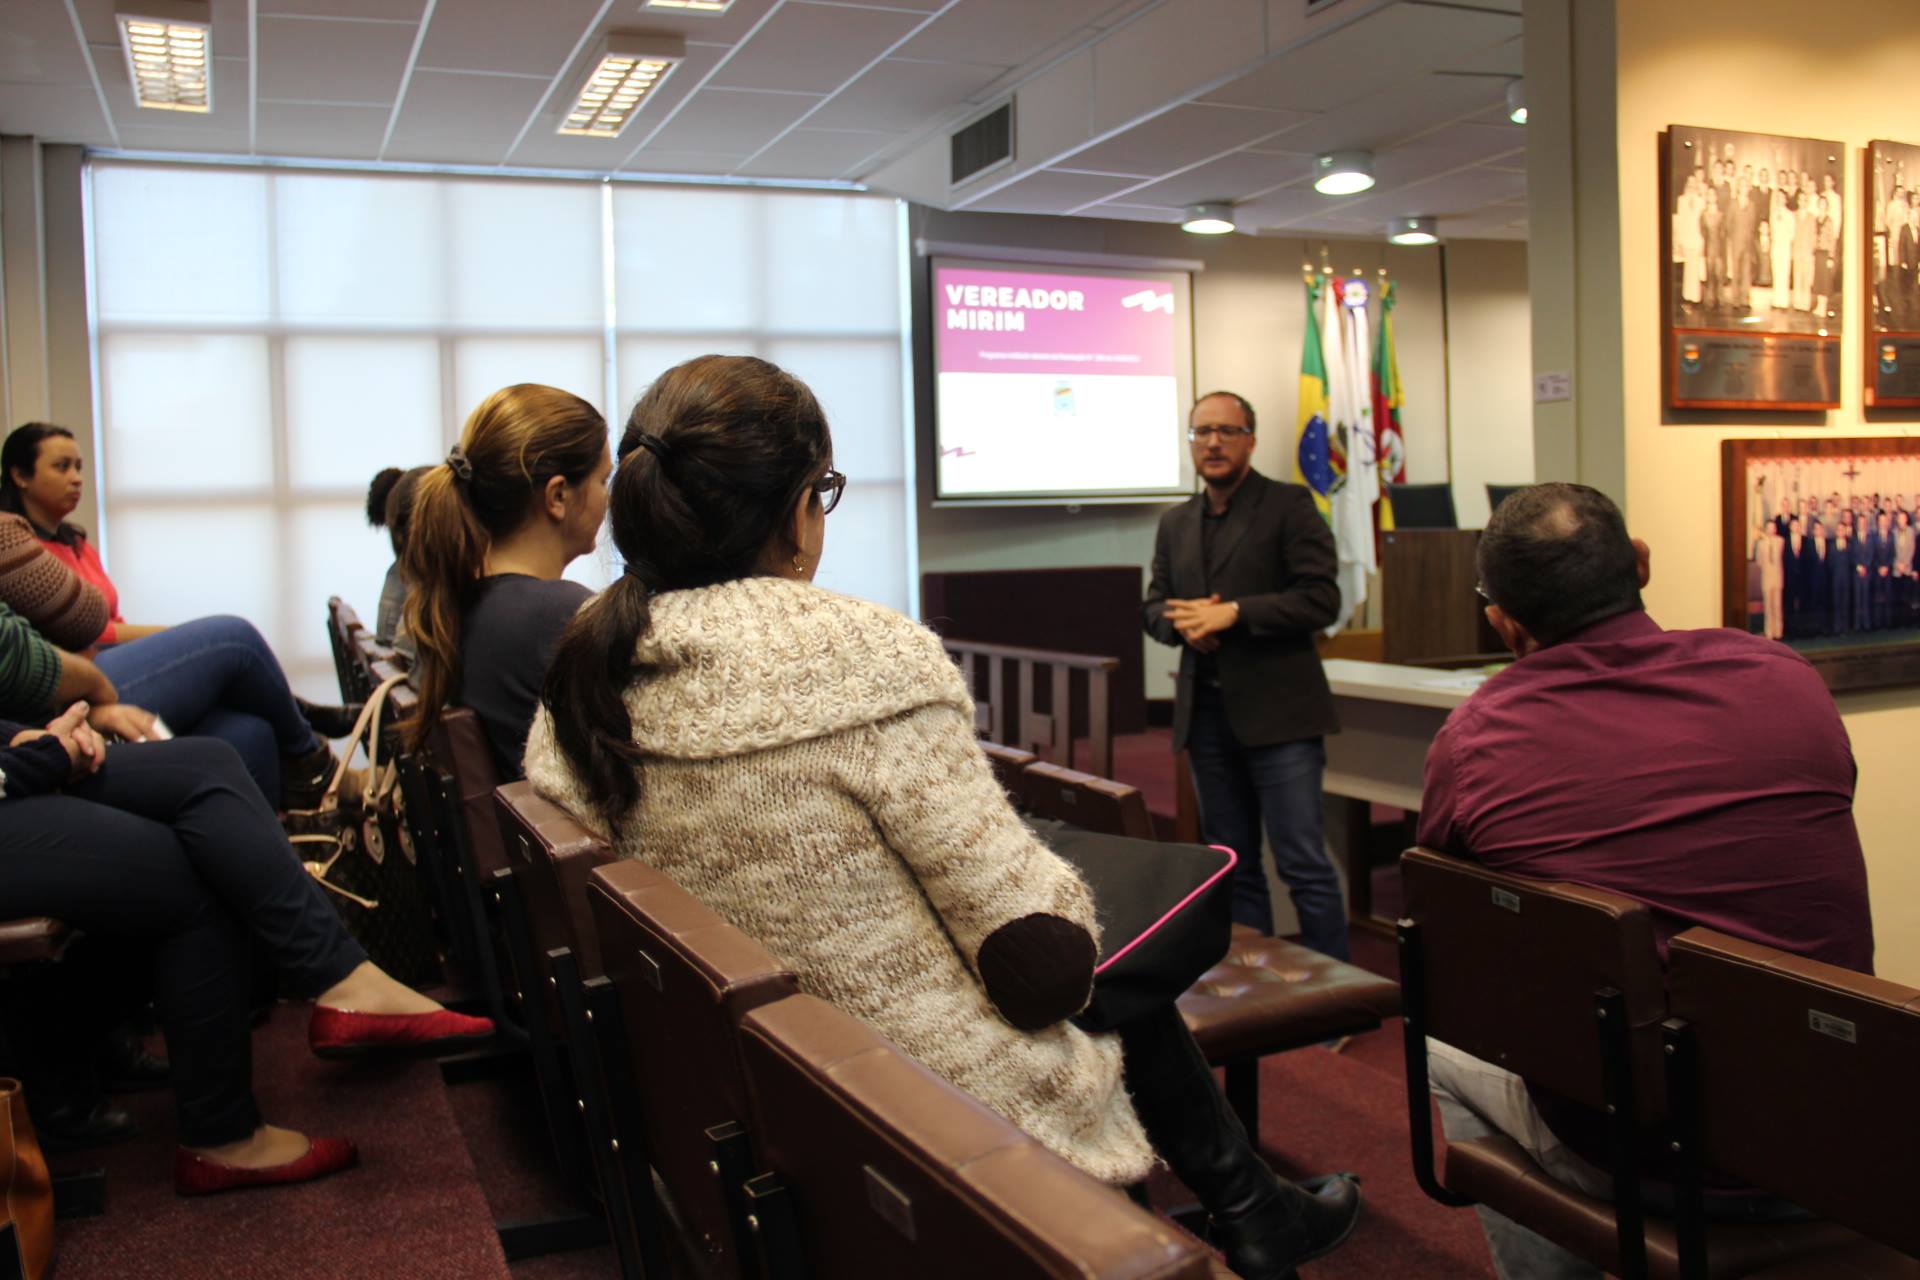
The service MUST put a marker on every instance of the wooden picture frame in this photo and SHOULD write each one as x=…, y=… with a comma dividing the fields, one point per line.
x=1743, y=326
x=1891, y=347
x=1853, y=645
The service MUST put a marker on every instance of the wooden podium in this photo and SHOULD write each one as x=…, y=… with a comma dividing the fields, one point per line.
x=1432, y=614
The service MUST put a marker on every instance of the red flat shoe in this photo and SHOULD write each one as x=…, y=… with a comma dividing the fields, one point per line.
x=338, y=1033
x=195, y=1175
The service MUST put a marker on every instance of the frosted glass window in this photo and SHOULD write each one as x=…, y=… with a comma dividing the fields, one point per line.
x=172, y=564
x=360, y=250
x=175, y=245
x=481, y=366
x=832, y=264
x=334, y=553
x=353, y=400
x=687, y=259
x=186, y=413
x=595, y=569
x=858, y=384
x=866, y=548
x=644, y=359
x=524, y=255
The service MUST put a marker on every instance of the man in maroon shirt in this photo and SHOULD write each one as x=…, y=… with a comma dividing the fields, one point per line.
x=1706, y=773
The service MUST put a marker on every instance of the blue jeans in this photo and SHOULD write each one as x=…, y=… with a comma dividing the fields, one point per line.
x=216, y=678
x=1238, y=786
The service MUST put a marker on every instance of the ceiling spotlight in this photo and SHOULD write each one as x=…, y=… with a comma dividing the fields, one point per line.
x=1342, y=173
x=631, y=67
x=169, y=55
x=1212, y=219
x=1413, y=231
x=1517, y=101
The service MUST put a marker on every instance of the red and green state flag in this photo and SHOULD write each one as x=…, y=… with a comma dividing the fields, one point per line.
x=1312, y=461
x=1386, y=407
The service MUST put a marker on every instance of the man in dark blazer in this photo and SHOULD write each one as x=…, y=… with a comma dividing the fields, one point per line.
x=1243, y=577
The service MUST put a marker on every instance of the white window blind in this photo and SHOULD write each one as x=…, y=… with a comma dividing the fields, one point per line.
x=267, y=340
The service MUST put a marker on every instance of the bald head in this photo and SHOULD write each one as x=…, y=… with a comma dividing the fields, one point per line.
x=1556, y=558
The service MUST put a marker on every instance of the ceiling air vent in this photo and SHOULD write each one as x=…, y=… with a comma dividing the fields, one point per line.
x=983, y=145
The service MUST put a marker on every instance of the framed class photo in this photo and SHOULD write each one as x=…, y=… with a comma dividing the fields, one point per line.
x=1819, y=552
x=1754, y=269
x=1892, y=346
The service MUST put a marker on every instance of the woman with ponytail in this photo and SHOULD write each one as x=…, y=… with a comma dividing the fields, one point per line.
x=491, y=531
x=806, y=765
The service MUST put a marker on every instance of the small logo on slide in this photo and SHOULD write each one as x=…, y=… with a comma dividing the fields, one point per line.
x=1148, y=300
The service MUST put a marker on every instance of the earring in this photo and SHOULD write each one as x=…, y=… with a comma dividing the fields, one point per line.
x=799, y=562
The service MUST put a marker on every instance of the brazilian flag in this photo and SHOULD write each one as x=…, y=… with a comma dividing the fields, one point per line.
x=1312, y=465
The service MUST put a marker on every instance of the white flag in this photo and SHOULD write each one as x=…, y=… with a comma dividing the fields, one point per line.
x=1350, y=410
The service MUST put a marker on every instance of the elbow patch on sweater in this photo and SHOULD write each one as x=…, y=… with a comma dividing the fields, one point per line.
x=1038, y=970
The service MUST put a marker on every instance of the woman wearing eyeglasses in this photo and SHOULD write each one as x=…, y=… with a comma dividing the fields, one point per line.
x=517, y=500
x=805, y=764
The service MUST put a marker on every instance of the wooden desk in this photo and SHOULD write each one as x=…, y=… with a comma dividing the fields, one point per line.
x=1389, y=715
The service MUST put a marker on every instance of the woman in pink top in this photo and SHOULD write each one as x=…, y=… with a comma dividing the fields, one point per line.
x=213, y=676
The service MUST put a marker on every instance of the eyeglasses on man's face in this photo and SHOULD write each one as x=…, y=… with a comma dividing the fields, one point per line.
x=1222, y=433
x=828, y=488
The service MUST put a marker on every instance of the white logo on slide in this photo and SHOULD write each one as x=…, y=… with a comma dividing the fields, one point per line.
x=1148, y=300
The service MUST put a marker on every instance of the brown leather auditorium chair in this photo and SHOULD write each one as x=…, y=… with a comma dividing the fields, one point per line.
x=1008, y=764
x=1797, y=1077
x=880, y=1168
x=1562, y=985
x=681, y=980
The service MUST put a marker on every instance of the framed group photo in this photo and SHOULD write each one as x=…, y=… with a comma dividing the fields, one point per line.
x=1892, y=345
x=1821, y=551
x=1755, y=269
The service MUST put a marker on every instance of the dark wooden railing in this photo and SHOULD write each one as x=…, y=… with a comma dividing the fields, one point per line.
x=1013, y=717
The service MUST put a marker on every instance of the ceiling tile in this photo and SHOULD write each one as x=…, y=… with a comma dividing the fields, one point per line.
x=1461, y=192
x=1279, y=208
x=1135, y=213
x=332, y=132
x=168, y=138
x=463, y=118
x=408, y=10
x=901, y=96
x=670, y=160
x=813, y=48
x=725, y=28
x=1390, y=115
x=1505, y=59
x=727, y=121
x=54, y=113
x=1003, y=32
x=1387, y=47
x=506, y=35
x=1230, y=178
x=818, y=153
x=1045, y=191
x=302, y=60
x=1179, y=137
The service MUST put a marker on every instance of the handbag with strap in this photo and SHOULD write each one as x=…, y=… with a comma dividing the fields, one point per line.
x=26, y=1214
x=379, y=898
x=1165, y=913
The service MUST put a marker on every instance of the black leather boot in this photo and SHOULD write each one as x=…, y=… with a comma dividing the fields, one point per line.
x=304, y=779
x=1265, y=1225
x=330, y=722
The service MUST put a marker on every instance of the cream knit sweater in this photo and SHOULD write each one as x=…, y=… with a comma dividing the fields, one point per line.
x=815, y=779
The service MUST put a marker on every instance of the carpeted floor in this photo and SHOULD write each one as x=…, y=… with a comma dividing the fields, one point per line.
x=442, y=1163
x=414, y=1208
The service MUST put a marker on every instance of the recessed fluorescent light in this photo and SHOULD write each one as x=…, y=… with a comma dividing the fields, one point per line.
x=1342, y=173
x=1413, y=231
x=630, y=68
x=696, y=6
x=1211, y=219
x=169, y=55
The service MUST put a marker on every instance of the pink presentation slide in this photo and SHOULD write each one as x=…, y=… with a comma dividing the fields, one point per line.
x=1048, y=383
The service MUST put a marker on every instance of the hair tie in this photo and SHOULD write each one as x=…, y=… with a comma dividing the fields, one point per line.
x=654, y=445
x=631, y=570
x=457, y=462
